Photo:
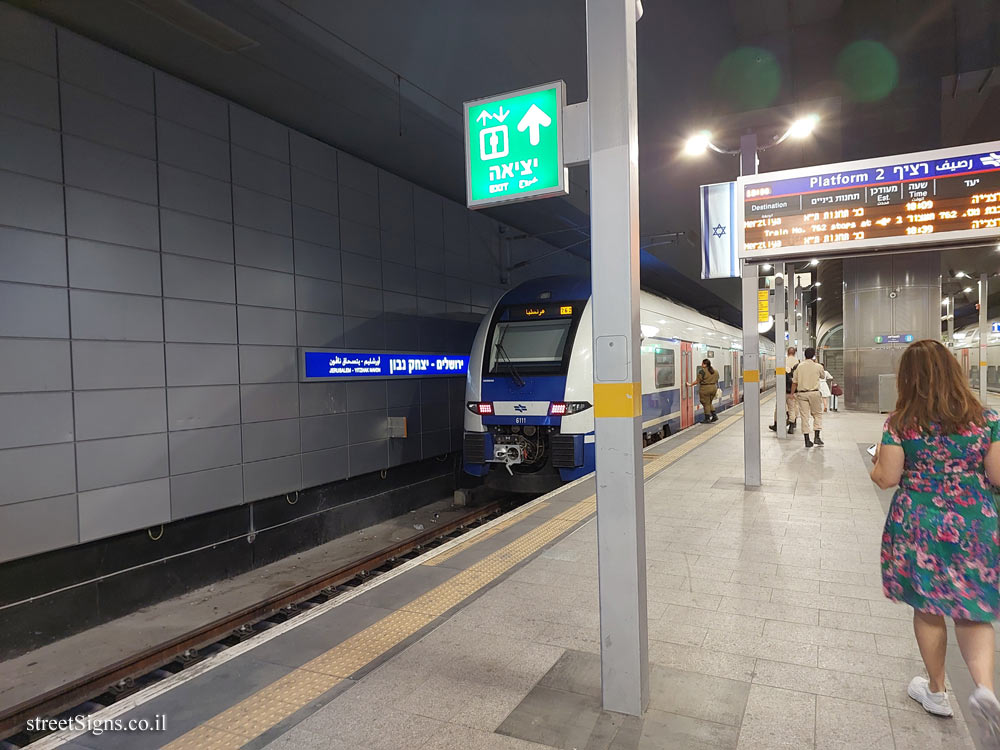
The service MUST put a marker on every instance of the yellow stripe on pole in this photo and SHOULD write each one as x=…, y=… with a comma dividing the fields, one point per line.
x=617, y=399
x=983, y=364
x=751, y=376
x=780, y=371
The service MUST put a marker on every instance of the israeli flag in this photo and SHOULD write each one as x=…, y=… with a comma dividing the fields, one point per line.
x=718, y=231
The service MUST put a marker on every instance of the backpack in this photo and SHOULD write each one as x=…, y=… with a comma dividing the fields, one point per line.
x=788, y=380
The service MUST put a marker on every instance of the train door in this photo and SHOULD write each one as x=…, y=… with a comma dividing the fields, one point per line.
x=687, y=394
x=736, y=377
x=964, y=359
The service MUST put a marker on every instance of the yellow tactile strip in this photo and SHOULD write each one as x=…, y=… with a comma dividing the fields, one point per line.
x=253, y=716
x=490, y=532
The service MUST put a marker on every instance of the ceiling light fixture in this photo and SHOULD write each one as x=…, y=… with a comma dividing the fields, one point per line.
x=698, y=143
x=967, y=289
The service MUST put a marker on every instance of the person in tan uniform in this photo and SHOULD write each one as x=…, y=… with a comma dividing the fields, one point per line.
x=805, y=386
x=791, y=403
x=708, y=383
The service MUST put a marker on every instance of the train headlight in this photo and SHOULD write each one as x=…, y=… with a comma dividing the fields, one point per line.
x=565, y=408
x=482, y=408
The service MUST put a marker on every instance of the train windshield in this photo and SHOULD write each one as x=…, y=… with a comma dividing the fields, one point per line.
x=530, y=345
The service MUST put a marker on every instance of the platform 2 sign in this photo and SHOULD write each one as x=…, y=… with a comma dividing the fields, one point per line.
x=944, y=196
x=327, y=364
x=513, y=146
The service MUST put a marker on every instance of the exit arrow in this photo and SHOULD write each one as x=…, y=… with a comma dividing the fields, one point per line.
x=532, y=120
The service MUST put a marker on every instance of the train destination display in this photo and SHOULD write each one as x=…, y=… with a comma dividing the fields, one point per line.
x=940, y=196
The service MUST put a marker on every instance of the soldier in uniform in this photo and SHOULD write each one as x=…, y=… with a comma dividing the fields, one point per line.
x=805, y=386
x=708, y=384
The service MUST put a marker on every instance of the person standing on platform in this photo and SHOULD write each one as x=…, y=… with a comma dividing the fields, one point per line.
x=805, y=386
x=791, y=405
x=824, y=388
x=940, y=546
x=708, y=383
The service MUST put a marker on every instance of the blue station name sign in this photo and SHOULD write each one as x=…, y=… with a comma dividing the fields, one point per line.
x=328, y=364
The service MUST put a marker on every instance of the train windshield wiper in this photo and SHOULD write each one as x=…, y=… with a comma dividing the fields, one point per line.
x=518, y=380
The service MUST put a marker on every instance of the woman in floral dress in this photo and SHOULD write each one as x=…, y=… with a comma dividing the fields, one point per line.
x=940, y=546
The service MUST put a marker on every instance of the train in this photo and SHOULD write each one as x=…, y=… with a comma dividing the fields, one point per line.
x=966, y=348
x=529, y=421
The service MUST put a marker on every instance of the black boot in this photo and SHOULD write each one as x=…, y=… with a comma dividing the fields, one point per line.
x=809, y=443
x=791, y=428
x=816, y=439
x=773, y=427
x=715, y=417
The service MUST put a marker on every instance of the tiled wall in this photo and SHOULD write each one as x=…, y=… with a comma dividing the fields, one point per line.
x=162, y=254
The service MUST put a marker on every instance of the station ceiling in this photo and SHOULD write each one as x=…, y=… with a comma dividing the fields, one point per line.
x=385, y=80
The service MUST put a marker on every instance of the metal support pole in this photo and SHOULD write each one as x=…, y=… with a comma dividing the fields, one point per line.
x=951, y=322
x=781, y=415
x=614, y=256
x=984, y=333
x=751, y=342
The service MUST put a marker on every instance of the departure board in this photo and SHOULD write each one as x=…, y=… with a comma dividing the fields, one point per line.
x=945, y=196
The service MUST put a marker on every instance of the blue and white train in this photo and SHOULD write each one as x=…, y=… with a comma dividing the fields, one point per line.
x=966, y=348
x=529, y=420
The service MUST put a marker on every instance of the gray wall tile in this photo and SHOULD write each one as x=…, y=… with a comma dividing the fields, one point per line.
x=109, y=170
x=428, y=218
x=358, y=207
x=30, y=203
x=261, y=173
x=33, y=257
x=259, y=211
x=401, y=304
x=207, y=406
x=398, y=248
x=36, y=472
x=38, y=526
x=29, y=149
x=197, y=450
x=273, y=477
x=430, y=285
x=263, y=250
x=115, y=510
x=29, y=95
x=312, y=155
x=320, y=467
x=395, y=204
x=199, y=322
x=114, y=364
x=192, y=149
x=197, y=236
x=27, y=39
x=264, y=288
x=202, y=364
x=191, y=106
x=106, y=121
x=404, y=451
x=364, y=333
x=457, y=290
x=403, y=392
x=96, y=265
x=456, y=228
x=204, y=491
x=318, y=399
x=315, y=260
x=316, y=295
x=104, y=414
x=323, y=432
x=361, y=239
x=435, y=443
x=318, y=329
x=270, y=401
x=366, y=395
x=35, y=419
x=429, y=258
x=187, y=278
x=270, y=439
x=362, y=302
x=195, y=193
x=368, y=457
x=398, y=278
x=105, y=463
x=402, y=333
x=33, y=311
x=315, y=226
x=362, y=271
x=268, y=364
x=32, y=365
x=263, y=325
x=357, y=174
x=100, y=69
x=121, y=317
x=309, y=189
x=258, y=133
x=94, y=216
x=366, y=426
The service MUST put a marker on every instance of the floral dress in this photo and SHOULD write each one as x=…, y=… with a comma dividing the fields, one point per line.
x=940, y=549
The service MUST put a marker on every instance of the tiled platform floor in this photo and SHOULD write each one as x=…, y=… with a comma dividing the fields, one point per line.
x=767, y=627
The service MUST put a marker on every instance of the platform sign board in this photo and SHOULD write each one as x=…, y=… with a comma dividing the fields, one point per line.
x=934, y=197
x=514, y=146
x=331, y=364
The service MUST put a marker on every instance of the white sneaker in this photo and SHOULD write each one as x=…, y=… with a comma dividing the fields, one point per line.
x=933, y=703
x=986, y=708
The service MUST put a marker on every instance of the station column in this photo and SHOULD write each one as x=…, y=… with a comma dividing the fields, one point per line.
x=751, y=341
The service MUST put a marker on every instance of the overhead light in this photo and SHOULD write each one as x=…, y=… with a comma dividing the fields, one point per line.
x=814, y=262
x=803, y=127
x=818, y=299
x=967, y=289
x=649, y=331
x=960, y=275
x=766, y=267
x=818, y=283
x=944, y=302
x=697, y=144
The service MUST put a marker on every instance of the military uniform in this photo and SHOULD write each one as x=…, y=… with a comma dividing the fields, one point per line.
x=708, y=384
x=806, y=379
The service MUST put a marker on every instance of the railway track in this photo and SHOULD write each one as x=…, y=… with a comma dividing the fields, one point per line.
x=113, y=682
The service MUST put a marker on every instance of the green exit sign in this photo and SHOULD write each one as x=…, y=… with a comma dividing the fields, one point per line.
x=514, y=148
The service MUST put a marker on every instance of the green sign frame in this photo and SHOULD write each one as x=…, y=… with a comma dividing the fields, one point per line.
x=517, y=159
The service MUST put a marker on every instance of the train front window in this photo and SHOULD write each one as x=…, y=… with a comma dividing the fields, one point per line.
x=534, y=345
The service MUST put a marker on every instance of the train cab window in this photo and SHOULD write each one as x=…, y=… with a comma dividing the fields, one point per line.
x=664, y=368
x=728, y=373
x=533, y=345
x=992, y=375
